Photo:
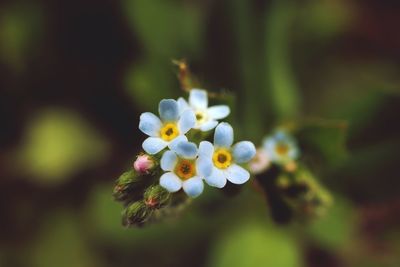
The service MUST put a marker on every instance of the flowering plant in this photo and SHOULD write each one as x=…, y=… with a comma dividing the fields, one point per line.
x=179, y=159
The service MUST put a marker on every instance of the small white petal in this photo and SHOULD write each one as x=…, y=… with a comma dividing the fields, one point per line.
x=207, y=126
x=204, y=166
x=206, y=149
x=186, y=150
x=193, y=187
x=223, y=135
x=153, y=145
x=243, y=151
x=172, y=145
x=198, y=99
x=186, y=121
x=168, y=160
x=150, y=124
x=218, y=112
x=168, y=109
x=237, y=175
x=216, y=179
x=170, y=182
x=182, y=105
x=293, y=152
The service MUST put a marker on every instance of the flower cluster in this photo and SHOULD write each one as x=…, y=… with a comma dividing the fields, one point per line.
x=287, y=182
x=187, y=147
x=186, y=165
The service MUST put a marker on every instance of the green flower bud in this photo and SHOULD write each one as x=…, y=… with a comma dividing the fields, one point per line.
x=128, y=186
x=156, y=197
x=136, y=213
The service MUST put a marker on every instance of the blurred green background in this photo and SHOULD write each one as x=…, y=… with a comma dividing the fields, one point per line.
x=75, y=75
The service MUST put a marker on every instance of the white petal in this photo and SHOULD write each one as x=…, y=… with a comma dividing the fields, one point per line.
x=153, y=145
x=168, y=109
x=198, y=99
x=237, y=175
x=150, y=124
x=172, y=145
x=171, y=182
x=223, y=135
x=168, y=160
x=186, y=150
x=218, y=112
x=204, y=166
x=216, y=179
x=243, y=151
x=206, y=149
x=207, y=126
x=193, y=187
x=186, y=121
x=182, y=105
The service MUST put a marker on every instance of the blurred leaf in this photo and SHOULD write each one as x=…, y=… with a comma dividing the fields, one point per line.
x=164, y=27
x=337, y=228
x=62, y=244
x=20, y=26
x=255, y=245
x=58, y=143
x=281, y=84
x=252, y=111
x=150, y=82
x=324, y=139
x=324, y=18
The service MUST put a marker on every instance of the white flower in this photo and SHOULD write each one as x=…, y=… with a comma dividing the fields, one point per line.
x=206, y=117
x=224, y=158
x=168, y=131
x=184, y=169
x=281, y=147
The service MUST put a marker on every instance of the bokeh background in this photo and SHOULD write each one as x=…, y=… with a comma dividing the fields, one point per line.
x=75, y=75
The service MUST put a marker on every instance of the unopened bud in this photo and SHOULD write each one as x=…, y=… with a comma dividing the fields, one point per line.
x=260, y=162
x=128, y=186
x=156, y=197
x=144, y=164
x=136, y=213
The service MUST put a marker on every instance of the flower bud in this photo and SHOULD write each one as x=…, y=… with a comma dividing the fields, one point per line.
x=136, y=213
x=128, y=186
x=260, y=162
x=156, y=197
x=144, y=164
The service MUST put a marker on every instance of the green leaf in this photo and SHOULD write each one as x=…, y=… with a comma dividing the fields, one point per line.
x=61, y=243
x=336, y=228
x=58, y=142
x=324, y=139
x=255, y=245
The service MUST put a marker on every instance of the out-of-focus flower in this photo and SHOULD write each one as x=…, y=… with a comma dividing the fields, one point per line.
x=225, y=158
x=260, y=162
x=184, y=169
x=144, y=164
x=281, y=147
x=168, y=131
x=206, y=117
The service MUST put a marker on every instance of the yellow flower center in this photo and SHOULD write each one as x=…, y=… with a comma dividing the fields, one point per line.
x=185, y=169
x=282, y=149
x=201, y=117
x=222, y=158
x=169, y=131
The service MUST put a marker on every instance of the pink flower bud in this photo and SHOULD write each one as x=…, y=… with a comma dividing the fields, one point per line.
x=260, y=162
x=143, y=164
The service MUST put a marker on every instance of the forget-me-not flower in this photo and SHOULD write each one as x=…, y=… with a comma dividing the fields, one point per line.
x=206, y=117
x=184, y=169
x=225, y=157
x=281, y=147
x=168, y=131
